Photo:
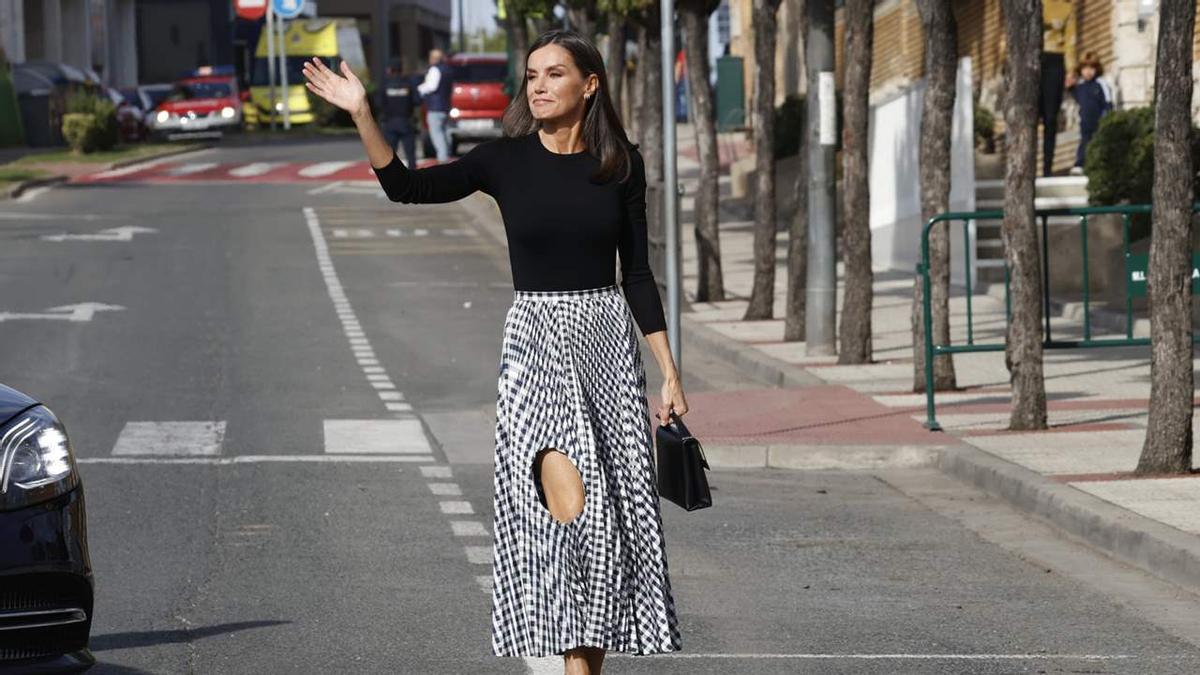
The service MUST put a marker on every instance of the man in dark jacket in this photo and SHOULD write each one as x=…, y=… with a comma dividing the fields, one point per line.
x=400, y=101
x=435, y=90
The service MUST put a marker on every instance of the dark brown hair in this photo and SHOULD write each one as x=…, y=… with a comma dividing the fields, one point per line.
x=1090, y=59
x=603, y=134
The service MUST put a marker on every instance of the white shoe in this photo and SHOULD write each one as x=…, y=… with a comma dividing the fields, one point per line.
x=1077, y=171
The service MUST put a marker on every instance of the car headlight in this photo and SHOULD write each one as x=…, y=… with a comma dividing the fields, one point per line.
x=162, y=116
x=279, y=106
x=455, y=113
x=227, y=112
x=36, y=462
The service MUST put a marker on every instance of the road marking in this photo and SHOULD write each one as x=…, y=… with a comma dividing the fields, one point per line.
x=257, y=459
x=83, y=311
x=372, y=370
x=398, y=407
x=254, y=169
x=323, y=169
x=485, y=582
x=132, y=168
x=383, y=385
x=123, y=233
x=445, y=489
x=190, y=168
x=468, y=528
x=12, y=215
x=391, y=396
x=456, y=507
x=384, y=437
x=440, y=471
x=170, y=438
x=479, y=555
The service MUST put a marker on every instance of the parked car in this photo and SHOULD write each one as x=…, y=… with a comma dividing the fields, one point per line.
x=133, y=113
x=46, y=588
x=205, y=104
x=477, y=99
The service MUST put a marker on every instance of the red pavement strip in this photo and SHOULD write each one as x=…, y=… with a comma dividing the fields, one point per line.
x=286, y=173
x=822, y=415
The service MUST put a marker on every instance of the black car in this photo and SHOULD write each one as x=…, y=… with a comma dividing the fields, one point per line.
x=45, y=571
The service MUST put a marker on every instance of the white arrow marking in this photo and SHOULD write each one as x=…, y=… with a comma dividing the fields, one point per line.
x=323, y=169
x=123, y=233
x=83, y=311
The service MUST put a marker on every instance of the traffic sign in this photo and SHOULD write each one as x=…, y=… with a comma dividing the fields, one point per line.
x=251, y=10
x=287, y=9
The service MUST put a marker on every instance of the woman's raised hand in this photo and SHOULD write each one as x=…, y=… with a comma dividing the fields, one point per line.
x=345, y=91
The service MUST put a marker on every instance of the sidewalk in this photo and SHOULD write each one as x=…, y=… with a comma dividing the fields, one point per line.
x=1076, y=475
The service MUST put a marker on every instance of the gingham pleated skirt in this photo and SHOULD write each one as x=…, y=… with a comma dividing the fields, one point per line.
x=571, y=378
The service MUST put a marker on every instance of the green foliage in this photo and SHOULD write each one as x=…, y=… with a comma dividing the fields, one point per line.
x=1120, y=163
x=81, y=131
x=985, y=129
x=789, y=126
x=530, y=8
x=102, y=132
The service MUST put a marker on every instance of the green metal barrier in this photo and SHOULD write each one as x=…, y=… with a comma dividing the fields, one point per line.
x=1132, y=288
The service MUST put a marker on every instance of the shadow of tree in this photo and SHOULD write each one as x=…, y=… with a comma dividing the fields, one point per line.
x=131, y=640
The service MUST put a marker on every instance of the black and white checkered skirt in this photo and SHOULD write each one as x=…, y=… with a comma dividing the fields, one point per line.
x=571, y=378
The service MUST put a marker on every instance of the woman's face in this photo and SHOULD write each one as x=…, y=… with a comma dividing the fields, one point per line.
x=554, y=85
x=1087, y=72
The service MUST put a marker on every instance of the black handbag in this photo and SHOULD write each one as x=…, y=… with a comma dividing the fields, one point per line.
x=681, y=466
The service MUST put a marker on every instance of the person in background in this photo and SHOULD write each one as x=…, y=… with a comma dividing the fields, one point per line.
x=400, y=100
x=1094, y=97
x=436, y=90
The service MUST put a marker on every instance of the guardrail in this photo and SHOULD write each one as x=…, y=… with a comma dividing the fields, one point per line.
x=1132, y=287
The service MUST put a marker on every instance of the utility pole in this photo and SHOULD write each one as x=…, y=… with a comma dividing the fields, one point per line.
x=670, y=192
x=271, y=62
x=283, y=76
x=379, y=44
x=462, y=28
x=821, y=294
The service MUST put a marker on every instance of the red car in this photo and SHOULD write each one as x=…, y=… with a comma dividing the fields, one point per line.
x=477, y=100
x=202, y=105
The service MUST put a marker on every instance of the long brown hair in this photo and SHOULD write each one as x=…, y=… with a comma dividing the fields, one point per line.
x=602, y=131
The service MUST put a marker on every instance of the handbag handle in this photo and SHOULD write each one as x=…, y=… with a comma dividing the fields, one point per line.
x=685, y=435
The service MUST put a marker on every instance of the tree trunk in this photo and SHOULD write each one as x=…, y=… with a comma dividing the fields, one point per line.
x=855, y=331
x=937, y=114
x=518, y=28
x=710, y=285
x=583, y=19
x=762, y=295
x=1023, y=346
x=649, y=112
x=1168, y=444
x=616, y=58
x=797, y=255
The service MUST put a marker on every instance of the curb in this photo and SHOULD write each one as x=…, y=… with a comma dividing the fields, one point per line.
x=745, y=358
x=1156, y=548
x=23, y=186
x=820, y=457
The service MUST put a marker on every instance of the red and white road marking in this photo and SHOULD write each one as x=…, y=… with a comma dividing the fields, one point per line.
x=180, y=171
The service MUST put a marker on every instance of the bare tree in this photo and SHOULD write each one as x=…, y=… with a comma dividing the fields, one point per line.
x=616, y=57
x=797, y=255
x=1168, y=444
x=762, y=294
x=1023, y=345
x=855, y=331
x=937, y=114
x=581, y=15
x=710, y=285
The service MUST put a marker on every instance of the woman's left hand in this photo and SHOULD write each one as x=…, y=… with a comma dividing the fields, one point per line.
x=672, y=399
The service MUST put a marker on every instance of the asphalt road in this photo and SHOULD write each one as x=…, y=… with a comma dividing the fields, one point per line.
x=283, y=409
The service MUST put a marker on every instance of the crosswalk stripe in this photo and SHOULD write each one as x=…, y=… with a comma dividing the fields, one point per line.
x=479, y=555
x=190, y=168
x=254, y=169
x=368, y=437
x=468, y=528
x=323, y=169
x=170, y=438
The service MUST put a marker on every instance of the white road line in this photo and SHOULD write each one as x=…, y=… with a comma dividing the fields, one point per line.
x=170, y=438
x=133, y=168
x=378, y=377
x=383, y=385
x=485, y=582
x=254, y=169
x=479, y=555
x=372, y=370
x=326, y=188
x=323, y=169
x=435, y=471
x=398, y=407
x=468, y=528
x=190, y=168
x=456, y=507
x=256, y=459
x=445, y=489
x=391, y=396
x=384, y=437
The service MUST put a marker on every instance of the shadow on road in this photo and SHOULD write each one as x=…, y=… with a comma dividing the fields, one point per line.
x=132, y=640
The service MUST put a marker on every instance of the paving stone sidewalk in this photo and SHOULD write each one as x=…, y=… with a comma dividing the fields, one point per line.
x=1098, y=398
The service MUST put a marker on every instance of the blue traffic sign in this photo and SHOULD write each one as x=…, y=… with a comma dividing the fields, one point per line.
x=287, y=9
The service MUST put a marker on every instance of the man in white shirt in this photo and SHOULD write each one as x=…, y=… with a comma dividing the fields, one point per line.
x=436, y=90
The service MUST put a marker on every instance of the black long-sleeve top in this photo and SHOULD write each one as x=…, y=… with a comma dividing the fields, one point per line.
x=562, y=229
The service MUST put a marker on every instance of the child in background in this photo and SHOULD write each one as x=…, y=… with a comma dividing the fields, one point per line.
x=1094, y=97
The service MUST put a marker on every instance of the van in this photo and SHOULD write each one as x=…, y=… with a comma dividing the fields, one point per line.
x=332, y=39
